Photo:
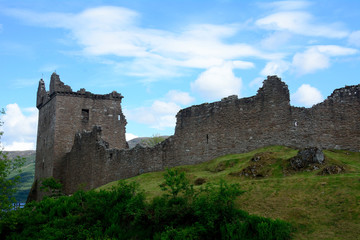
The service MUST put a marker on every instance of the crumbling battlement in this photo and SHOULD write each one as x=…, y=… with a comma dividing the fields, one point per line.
x=348, y=93
x=273, y=94
x=57, y=87
x=229, y=126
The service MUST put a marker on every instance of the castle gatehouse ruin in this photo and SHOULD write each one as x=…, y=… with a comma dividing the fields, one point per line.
x=81, y=136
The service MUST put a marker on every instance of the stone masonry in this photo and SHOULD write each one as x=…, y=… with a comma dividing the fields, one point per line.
x=202, y=132
x=63, y=113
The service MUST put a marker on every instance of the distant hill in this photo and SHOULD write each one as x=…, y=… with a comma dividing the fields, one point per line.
x=142, y=141
x=133, y=142
x=27, y=175
x=12, y=154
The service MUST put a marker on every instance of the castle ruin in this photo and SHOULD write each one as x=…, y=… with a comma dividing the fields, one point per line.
x=81, y=136
x=62, y=114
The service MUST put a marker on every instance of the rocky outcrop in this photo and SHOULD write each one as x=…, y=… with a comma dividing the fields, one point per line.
x=259, y=166
x=307, y=157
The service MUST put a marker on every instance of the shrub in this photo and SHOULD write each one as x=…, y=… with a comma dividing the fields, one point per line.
x=180, y=213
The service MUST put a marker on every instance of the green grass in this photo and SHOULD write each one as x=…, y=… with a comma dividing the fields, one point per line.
x=319, y=207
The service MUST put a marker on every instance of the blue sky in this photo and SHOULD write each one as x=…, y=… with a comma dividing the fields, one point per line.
x=163, y=56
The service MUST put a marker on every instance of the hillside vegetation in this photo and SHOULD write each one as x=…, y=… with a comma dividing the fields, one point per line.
x=27, y=173
x=181, y=212
x=319, y=205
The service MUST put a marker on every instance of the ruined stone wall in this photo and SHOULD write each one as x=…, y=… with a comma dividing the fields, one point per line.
x=75, y=114
x=235, y=125
x=333, y=124
x=231, y=125
x=91, y=163
x=62, y=114
x=45, y=156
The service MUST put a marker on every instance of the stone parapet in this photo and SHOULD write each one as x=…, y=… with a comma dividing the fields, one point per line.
x=58, y=88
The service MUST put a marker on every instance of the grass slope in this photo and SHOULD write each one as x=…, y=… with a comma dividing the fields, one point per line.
x=318, y=206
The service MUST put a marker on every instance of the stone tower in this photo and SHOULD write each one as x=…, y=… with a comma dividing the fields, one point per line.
x=62, y=114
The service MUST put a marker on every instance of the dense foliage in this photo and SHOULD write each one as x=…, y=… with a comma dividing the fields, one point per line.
x=123, y=213
x=8, y=186
x=52, y=187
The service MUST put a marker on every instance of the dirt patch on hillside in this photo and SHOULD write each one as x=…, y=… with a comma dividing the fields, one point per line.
x=260, y=166
x=332, y=169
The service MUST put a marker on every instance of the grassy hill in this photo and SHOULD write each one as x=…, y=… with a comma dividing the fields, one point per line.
x=318, y=205
x=145, y=141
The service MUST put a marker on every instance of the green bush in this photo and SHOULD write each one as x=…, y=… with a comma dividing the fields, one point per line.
x=52, y=187
x=180, y=213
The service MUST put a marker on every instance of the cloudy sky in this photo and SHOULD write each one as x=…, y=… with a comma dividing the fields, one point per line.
x=163, y=56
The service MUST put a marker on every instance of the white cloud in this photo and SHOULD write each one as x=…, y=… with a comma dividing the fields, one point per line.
x=162, y=112
x=130, y=136
x=300, y=22
x=354, y=38
x=333, y=50
x=19, y=129
x=306, y=96
x=152, y=53
x=275, y=68
x=276, y=40
x=182, y=98
x=165, y=107
x=318, y=57
x=257, y=82
x=242, y=64
x=217, y=82
x=201, y=41
x=24, y=82
x=149, y=69
x=20, y=146
x=310, y=61
x=159, y=115
x=287, y=5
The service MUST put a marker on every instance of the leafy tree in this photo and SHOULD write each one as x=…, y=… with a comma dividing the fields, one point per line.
x=176, y=182
x=52, y=186
x=8, y=186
